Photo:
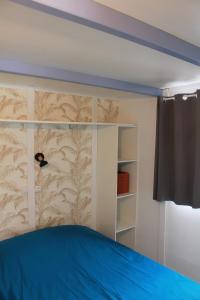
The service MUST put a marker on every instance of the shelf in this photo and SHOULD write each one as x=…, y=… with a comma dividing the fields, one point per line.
x=120, y=196
x=127, y=161
x=63, y=123
x=127, y=144
x=126, y=213
x=121, y=228
x=127, y=125
x=127, y=237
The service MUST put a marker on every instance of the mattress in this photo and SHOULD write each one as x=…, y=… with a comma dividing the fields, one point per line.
x=75, y=262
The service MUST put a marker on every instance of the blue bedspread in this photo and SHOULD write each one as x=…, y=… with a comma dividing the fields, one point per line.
x=74, y=262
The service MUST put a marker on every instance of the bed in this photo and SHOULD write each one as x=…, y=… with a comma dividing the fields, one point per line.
x=74, y=262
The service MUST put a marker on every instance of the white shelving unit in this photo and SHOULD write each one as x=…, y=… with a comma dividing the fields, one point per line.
x=116, y=214
x=126, y=203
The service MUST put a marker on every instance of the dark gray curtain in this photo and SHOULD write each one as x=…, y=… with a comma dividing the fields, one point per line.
x=177, y=157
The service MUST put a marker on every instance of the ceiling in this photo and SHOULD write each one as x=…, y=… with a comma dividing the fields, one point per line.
x=34, y=37
x=178, y=17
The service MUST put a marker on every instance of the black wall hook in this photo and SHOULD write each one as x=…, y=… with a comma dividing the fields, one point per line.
x=40, y=158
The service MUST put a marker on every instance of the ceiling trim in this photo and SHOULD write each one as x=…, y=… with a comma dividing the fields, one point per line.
x=20, y=68
x=100, y=17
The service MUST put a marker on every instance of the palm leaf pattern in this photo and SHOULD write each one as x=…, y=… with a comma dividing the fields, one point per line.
x=13, y=179
x=107, y=111
x=62, y=107
x=65, y=196
x=13, y=104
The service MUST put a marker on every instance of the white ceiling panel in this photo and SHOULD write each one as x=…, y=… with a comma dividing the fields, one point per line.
x=33, y=37
x=178, y=17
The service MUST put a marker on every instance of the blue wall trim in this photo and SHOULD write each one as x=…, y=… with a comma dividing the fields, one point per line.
x=97, y=16
x=20, y=68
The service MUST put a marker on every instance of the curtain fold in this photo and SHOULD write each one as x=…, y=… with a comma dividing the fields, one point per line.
x=177, y=154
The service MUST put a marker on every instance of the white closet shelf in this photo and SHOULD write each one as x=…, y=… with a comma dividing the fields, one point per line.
x=127, y=125
x=64, y=123
x=120, y=196
x=126, y=161
x=121, y=227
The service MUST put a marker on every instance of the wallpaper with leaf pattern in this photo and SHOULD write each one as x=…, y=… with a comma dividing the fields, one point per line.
x=62, y=107
x=107, y=111
x=13, y=181
x=13, y=104
x=65, y=196
x=65, y=184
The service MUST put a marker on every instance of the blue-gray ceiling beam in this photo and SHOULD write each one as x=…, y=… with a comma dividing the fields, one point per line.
x=20, y=68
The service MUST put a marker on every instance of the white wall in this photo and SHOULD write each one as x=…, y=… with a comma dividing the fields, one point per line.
x=182, y=246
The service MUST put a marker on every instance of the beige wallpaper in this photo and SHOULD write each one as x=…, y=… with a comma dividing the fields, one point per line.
x=13, y=104
x=13, y=181
x=62, y=107
x=65, y=196
x=63, y=188
x=107, y=111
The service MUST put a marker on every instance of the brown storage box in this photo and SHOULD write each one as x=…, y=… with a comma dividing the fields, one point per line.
x=123, y=183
